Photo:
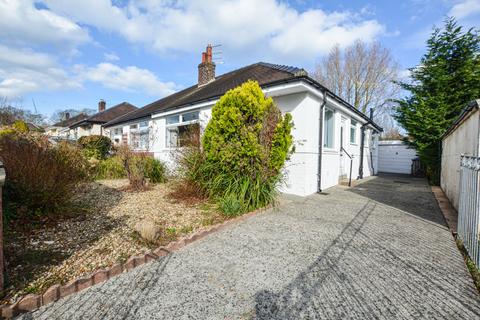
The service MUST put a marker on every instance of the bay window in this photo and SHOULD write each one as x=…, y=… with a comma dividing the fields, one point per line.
x=182, y=129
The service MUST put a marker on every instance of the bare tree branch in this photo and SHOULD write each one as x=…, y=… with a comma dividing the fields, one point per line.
x=363, y=75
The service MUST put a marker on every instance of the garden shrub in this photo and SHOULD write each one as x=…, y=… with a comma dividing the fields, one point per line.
x=40, y=177
x=114, y=168
x=95, y=146
x=245, y=146
x=110, y=168
x=20, y=126
x=155, y=170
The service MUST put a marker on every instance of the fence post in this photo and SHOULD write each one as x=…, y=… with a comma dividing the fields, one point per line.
x=2, y=265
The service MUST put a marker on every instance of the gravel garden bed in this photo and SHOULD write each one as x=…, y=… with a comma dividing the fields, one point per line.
x=98, y=233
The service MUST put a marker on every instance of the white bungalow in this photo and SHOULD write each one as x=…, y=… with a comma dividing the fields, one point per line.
x=333, y=140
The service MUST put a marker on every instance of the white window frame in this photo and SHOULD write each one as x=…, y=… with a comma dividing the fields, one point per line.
x=325, y=142
x=353, y=126
x=180, y=123
x=137, y=134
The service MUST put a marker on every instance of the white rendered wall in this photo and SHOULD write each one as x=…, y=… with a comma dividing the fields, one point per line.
x=465, y=139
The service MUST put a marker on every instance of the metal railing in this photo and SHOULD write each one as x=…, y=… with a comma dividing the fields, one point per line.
x=469, y=206
x=351, y=164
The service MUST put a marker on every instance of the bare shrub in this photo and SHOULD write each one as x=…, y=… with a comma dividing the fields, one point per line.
x=41, y=177
x=134, y=164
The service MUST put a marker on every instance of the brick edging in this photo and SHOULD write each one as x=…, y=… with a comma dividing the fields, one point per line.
x=31, y=302
x=449, y=213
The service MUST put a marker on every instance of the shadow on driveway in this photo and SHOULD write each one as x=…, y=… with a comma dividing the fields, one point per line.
x=385, y=264
x=404, y=192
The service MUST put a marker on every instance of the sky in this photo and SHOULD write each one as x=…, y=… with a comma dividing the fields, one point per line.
x=58, y=55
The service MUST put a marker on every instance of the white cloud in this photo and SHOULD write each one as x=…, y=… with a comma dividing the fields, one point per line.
x=23, y=71
x=465, y=8
x=130, y=78
x=238, y=25
x=111, y=56
x=21, y=22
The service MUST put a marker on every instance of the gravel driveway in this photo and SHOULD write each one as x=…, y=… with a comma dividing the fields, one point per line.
x=377, y=251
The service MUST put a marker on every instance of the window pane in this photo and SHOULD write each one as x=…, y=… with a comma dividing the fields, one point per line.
x=144, y=136
x=173, y=119
x=172, y=137
x=190, y=116
x=353, y=132
x=328, y=129
x=143, y=124
x=188, y=135
x=134, y=126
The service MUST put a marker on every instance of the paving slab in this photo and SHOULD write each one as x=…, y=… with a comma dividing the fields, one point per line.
x=380, y=250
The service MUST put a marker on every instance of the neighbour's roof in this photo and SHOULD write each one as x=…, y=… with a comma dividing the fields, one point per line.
x=472, y=105
x=70, y=121
x=108, y=114
x=266, y=74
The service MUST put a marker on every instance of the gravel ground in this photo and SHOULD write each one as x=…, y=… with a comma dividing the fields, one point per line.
x=377, y=251
x=98, y=235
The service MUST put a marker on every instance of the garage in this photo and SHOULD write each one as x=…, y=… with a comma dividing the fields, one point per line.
x=394, y=156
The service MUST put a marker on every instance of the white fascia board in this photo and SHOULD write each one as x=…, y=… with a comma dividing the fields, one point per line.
x=180, y=110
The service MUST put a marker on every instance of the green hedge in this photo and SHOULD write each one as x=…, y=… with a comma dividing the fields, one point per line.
x=95, y=146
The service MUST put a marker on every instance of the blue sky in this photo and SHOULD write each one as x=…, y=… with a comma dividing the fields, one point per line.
x=70, y=54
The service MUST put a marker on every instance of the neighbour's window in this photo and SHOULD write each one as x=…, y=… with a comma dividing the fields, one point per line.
x=183, y=129
x=353, y=131
x=117, y=131
x=139, y=136
x=328, y=129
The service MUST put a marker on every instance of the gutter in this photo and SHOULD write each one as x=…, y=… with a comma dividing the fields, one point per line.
x=320, y=142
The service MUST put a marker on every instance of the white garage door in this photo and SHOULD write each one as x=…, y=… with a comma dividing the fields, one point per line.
x=395, y=157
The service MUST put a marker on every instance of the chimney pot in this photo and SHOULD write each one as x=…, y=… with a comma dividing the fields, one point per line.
x=102, y=105
x=206, y=69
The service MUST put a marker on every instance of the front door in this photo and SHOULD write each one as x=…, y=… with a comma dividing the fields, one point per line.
x=343, y=130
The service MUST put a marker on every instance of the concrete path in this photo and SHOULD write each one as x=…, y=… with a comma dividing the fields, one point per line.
x=377, y=251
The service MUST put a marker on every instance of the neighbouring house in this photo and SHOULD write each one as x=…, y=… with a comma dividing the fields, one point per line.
x=395, y=156
x=93, y=125
x=61, y=129
x=462, y=138
x=328, y=130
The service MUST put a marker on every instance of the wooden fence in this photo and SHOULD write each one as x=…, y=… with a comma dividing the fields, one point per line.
x=469, y=206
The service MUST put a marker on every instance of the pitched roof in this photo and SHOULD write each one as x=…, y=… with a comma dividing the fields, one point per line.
x=108, y=114
x=266, y=74
x=70, y=121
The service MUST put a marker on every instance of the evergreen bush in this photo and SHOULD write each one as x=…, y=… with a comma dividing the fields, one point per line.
x=95, y=146
x=245, y=146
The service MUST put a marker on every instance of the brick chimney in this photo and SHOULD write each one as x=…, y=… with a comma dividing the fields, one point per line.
x=206, y=69
x=102, y=105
